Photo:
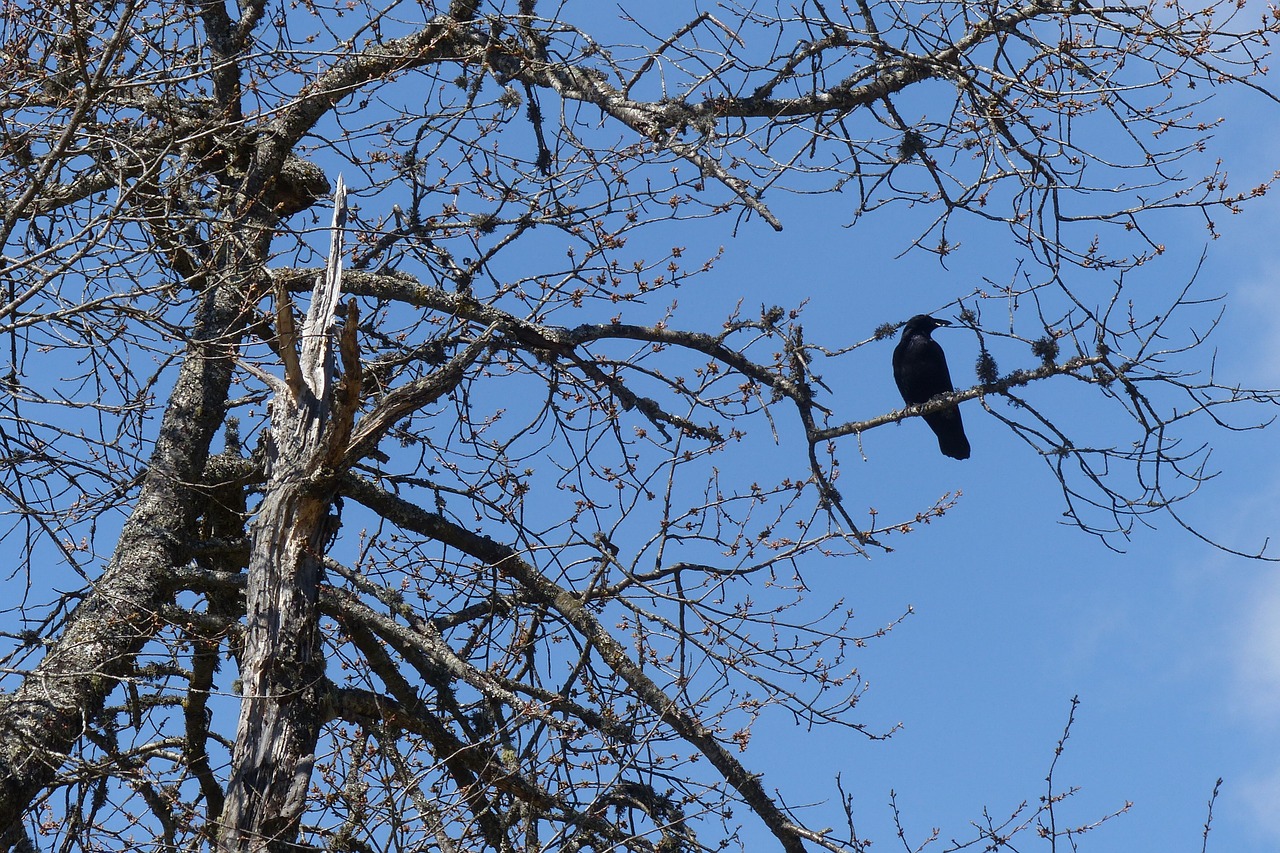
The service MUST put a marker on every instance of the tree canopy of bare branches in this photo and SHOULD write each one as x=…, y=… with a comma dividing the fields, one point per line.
x=420, y=529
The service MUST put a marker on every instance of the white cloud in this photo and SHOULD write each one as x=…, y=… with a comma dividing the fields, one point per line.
x=1258, y=655
x=1253, y=699
x=1259, y=796
x=1255, y=308
x=1245, y=264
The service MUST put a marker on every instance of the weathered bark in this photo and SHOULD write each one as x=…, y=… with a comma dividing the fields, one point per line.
x=283, y=661
x=45, y=717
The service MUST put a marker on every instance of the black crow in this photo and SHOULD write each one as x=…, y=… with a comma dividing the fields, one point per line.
x=920, y=369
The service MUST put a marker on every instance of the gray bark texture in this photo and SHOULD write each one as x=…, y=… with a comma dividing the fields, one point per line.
x=42, y=721
x=283, y=662
x=586, y=521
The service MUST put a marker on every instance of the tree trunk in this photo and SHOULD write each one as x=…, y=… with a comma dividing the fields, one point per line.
x=283, y=661
x=46, y=716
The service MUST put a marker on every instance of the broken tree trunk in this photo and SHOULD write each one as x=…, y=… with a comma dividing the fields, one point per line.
x=283, y=661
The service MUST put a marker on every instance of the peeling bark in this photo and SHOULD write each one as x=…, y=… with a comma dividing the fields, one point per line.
x=283, y=662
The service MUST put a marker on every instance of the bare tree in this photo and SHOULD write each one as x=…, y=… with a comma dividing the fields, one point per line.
x=468, y=571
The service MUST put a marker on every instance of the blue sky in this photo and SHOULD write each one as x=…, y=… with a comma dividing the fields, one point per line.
x=1172, y=647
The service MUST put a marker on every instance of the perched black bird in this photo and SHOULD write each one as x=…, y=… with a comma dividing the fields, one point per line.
x=920, y=369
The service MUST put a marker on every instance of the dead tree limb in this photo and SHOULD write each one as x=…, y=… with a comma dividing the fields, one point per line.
x=283, y=669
